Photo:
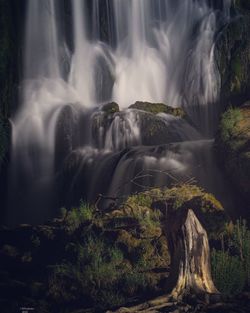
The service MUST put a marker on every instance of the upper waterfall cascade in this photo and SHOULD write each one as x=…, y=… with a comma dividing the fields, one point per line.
x=160, y=51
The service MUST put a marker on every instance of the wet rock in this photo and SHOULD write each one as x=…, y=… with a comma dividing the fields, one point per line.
x=113, y=129
x=69, y=131
x=110, y=108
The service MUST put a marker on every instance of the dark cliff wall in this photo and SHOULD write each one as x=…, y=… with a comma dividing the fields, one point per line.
x=233, y=48
x=11, y=34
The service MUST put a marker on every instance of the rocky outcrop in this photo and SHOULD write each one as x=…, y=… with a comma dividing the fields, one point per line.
x=233, y=147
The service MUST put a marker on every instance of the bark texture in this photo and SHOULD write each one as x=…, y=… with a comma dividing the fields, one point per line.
x=190, y=255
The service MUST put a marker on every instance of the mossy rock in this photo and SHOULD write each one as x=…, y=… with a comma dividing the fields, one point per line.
x=207, y=208
x=110, y=108
x=156, y=108
x=233, y=147
x=154, y=130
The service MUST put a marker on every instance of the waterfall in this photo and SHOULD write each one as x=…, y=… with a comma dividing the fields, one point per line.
x=121, y=51
x=41, y=41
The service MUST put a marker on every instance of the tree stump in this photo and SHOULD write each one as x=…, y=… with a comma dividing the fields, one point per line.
x=190, y=255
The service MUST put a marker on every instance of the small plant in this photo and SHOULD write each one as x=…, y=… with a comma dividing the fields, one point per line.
x=74, y=217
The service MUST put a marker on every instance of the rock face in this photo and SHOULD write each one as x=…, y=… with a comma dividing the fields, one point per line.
x=233, y=147
x=233, y=49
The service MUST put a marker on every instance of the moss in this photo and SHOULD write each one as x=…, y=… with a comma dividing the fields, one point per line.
x=233, y=148
x=179, y=197
x=156, y=108
x=110, y=108
x=229, y=125
x=75, y=217
x=128, y=240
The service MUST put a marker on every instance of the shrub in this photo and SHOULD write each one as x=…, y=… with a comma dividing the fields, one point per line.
x=240, y=241
x=228, y=272
x=77, y=216
x=229, y=121
x=231, y=268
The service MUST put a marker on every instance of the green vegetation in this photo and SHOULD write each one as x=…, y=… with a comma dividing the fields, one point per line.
x=229, y=122
x=99, y=274
x=111, y=256
x=105, y=260
x=228, y=272
x=184, y=196
x=231, y=265
x=232, y=146
x=77, y=216
x=156, y=108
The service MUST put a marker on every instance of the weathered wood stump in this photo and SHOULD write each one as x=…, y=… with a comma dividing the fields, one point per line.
x=190, y=255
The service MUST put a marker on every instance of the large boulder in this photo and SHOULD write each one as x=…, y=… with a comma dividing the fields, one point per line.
x=233, y=147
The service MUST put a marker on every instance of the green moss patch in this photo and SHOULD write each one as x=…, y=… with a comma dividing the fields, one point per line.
x=156, y=108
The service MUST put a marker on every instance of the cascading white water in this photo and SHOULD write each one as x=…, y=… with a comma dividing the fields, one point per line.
x=162, y=51
x=165, y=53
x=41, y=41
x=82, y=73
